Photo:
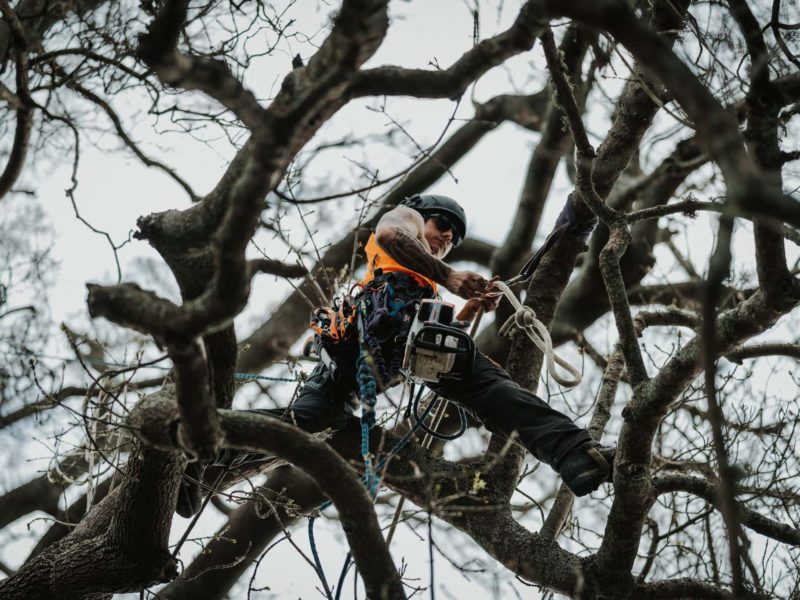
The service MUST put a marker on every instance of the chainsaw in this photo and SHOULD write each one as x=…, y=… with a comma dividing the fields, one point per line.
x=437, y=347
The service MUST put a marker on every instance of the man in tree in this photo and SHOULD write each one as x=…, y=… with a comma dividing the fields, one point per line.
x=406, y=254
x=405, y=259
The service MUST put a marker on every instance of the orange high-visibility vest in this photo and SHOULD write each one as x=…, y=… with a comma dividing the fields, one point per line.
x=378, y=258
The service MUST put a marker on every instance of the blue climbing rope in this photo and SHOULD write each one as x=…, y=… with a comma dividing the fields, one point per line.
x=368, y=396
x=347, y=562
x=317, y=562
x=399, y=445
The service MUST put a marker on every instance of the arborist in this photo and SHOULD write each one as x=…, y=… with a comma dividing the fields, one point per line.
x=395, y=327
x=405, y=267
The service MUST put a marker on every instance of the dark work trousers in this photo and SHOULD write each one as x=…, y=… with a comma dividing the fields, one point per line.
x=488, y=392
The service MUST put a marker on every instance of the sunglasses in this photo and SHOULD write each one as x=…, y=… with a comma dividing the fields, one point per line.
x=443, y=223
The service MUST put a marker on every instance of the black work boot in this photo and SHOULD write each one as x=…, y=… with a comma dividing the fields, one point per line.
x=585, y=468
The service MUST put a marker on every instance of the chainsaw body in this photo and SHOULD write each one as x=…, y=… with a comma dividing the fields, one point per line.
x=436, y=346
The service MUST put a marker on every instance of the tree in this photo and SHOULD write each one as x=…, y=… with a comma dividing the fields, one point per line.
x=703, y=483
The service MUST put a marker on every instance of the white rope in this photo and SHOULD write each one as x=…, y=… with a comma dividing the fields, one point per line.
x=525, y=319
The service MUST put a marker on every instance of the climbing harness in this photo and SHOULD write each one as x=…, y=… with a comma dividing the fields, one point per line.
x=390, y=303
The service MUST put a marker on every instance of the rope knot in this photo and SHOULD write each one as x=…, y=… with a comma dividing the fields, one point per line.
x=525, y=319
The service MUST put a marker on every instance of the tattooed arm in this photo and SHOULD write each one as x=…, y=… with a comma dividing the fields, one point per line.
x=402, y=233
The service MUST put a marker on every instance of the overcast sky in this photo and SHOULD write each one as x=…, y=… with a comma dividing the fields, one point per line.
x=114, y=189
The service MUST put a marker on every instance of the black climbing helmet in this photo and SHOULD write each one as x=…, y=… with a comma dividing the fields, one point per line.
x=429, y=205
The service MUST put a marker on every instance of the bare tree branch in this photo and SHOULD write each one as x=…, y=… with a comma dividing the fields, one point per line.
x=257, y=433
x=158, y=48
x=24, y=108
x=710, y=492
x=451, y=82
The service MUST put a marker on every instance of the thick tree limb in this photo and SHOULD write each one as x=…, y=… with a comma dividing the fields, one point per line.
x=158, y=48
x=199, y=428
x=278, y=268
x=758, y=350
x=679, y=589
x=453, y=81
x=22, y=132
x=127, y=533
x=258, y=433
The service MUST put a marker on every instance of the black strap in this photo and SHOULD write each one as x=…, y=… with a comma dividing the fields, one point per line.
x=566, y=224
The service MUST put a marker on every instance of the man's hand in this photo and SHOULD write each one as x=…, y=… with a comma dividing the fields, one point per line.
x=487, y=300
x=466, y=284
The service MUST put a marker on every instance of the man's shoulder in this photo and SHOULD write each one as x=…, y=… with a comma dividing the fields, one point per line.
x=401, y=215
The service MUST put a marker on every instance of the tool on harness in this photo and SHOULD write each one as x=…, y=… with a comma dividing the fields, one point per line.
x=435, y=348
x=331, y=326
x=314, y=345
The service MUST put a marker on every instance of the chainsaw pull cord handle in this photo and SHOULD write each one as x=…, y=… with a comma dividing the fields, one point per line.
x=525, y=319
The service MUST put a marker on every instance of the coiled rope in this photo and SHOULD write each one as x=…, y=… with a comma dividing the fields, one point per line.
x=524, y=318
